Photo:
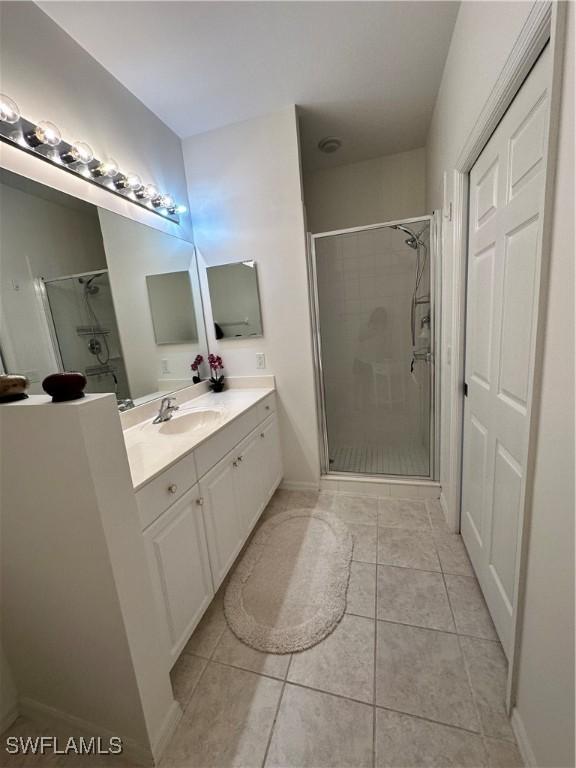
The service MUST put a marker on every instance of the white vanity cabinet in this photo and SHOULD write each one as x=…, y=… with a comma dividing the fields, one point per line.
x=178, y=560
x=197, y=514
x=222, y=518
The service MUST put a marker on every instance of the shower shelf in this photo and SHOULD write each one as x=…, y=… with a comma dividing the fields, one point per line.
x=89, y=330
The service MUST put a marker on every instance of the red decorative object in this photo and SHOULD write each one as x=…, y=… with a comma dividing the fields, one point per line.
x=65, y=386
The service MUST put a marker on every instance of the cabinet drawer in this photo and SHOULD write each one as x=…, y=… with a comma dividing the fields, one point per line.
x=157, y=495
x=266, y=407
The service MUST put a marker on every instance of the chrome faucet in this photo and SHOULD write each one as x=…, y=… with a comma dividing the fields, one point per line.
x=166, y=410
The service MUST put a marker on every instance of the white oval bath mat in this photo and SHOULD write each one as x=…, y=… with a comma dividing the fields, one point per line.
x=289, y=590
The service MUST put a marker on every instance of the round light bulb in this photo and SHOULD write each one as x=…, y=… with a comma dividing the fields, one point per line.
x=9, y=112
x=166, y=201
x=48, y=133
x=107, y=168
x=80, y=152
x=150, y=192
x=181, y=209
x=133, y=182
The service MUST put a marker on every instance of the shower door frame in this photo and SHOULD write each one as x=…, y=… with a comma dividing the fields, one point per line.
x=434, y=421
x=40, y=284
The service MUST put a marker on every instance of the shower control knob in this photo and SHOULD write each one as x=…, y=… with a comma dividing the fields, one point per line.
x=172, y=488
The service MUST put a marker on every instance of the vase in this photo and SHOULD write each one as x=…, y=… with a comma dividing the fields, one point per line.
x=217, y=385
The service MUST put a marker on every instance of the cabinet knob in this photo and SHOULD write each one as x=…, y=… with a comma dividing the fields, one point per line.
x=235, y=463
x=267, y=407
x=262, y=434
x=172, y=488
x=200, y=501
x=239, y=458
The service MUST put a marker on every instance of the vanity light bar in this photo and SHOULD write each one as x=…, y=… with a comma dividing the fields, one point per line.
x=45, y=141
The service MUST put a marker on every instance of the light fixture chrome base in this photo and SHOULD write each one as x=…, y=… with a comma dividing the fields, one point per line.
x=19, y=135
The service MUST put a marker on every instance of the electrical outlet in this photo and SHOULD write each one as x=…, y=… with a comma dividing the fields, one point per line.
x=164, y=367
x=260, y=361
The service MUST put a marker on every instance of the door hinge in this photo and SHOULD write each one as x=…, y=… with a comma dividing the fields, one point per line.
x=465, y=389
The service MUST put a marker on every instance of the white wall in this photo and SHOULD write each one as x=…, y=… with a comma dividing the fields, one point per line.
x=483, y=37
x=545, y=698
x=382, y=189
x=52, y=78
x=245, y=199
x=132, y=252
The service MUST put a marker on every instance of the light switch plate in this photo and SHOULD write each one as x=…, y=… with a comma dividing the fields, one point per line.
x=260, y=361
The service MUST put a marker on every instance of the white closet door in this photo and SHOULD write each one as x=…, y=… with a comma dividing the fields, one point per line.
x=505, y=219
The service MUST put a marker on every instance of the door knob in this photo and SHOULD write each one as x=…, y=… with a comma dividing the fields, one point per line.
x=172, y=488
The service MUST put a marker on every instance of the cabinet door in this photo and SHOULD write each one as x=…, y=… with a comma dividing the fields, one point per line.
x=249, y=480
x=271, y=456
x=178, y=558
x=224, y=525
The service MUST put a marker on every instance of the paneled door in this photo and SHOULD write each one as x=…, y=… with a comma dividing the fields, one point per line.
x=504, y=251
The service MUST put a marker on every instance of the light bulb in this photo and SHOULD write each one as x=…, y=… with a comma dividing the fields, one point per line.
x=107, y=168
x=128, y=181
x=9, y=112
x=180, y=209
x=44, y=133
x=79, y=152
x=166, y=202
x=133, y=182
x=147, y=192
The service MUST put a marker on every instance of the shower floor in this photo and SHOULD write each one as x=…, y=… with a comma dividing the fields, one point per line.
x=375, y=460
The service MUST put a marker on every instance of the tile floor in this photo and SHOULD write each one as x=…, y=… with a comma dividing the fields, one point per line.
x=412, y=676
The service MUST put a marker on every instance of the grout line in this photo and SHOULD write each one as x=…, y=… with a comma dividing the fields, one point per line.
x=465, y=663
x=375, y=657
x=276, y=713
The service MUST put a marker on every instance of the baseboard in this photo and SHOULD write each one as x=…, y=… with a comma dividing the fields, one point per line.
x=294, y=485
x=173, y=717
x=55, y=718
x=10, y=717
x=522, y=739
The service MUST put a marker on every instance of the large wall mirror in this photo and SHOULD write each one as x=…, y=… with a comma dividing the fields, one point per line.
x=85, y=289
x=235, y=300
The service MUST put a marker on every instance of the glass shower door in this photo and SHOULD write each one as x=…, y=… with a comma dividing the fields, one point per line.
x=86, y=332
x=374, y=332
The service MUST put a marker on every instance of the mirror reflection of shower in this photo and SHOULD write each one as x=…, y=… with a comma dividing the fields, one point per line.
x=85, y=331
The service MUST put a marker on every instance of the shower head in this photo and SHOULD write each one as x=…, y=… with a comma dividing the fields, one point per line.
x=88, y=287
x=413, y=240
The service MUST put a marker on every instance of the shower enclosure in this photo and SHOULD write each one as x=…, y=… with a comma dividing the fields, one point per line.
x=82, y=321
x=373, y=291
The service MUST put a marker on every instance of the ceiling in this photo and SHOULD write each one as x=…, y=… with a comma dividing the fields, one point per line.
x=367, y=72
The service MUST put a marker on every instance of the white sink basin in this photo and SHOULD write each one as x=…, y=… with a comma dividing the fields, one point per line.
x=187, y=421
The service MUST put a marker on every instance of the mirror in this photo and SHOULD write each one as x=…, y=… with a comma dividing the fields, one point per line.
x=85, y=289
x=172, y=307
x=235, y=300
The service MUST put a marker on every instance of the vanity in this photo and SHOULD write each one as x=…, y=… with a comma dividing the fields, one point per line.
x=116, y=534
x=201, y=481
x=118, y=528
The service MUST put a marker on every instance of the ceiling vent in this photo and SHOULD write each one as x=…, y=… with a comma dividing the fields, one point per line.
x=329, y=144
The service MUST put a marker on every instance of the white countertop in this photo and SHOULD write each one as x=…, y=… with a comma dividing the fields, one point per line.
x=151, y=449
